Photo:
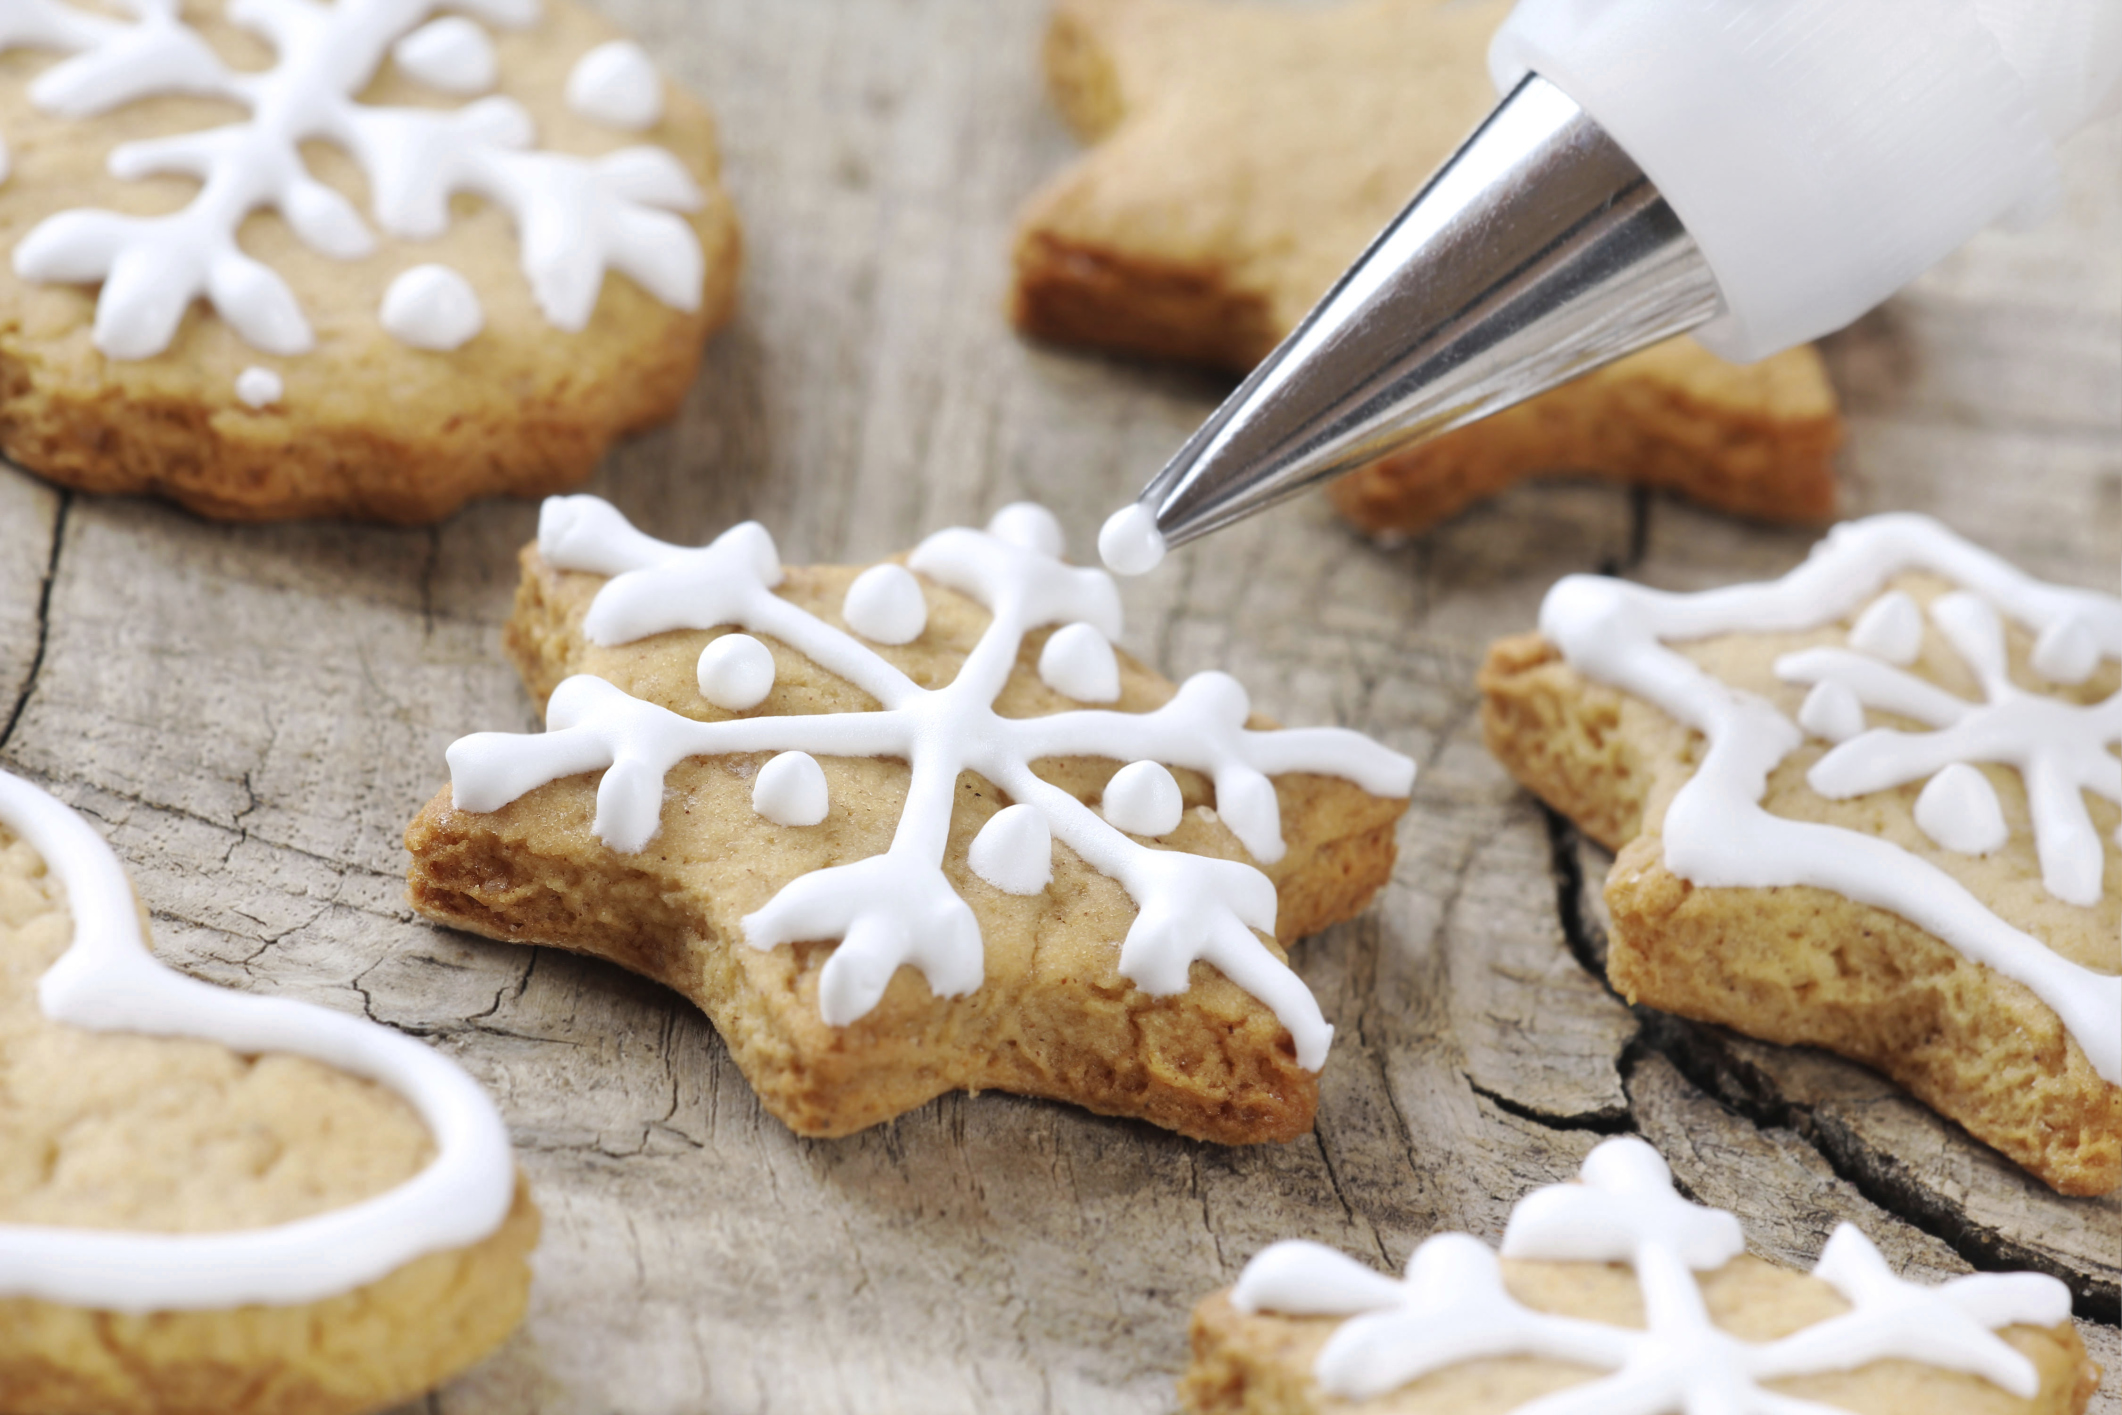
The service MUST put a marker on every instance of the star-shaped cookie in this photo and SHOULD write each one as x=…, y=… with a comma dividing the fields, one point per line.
x=912, y=829
x=1244, y=155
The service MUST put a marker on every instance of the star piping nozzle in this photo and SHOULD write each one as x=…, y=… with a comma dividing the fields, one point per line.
x=1537, y=253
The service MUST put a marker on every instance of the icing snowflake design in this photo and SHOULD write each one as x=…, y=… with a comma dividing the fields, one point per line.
x=2060, y=749
x=575, y=217
x=1452, y=1306
x=1716, y=834
x=898, y=907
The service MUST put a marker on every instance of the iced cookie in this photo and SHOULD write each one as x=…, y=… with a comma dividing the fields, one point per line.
x=914, y=828
x=367, y=258
x=215, y=1203
x=1246, y=154
x=1615, y=1296
x=1871, y=806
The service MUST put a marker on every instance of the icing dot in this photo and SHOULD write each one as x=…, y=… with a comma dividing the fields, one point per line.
x=1028, y=526
x=790, y=790
x=452, y=54
x=259, y=387
x=617, y=84
x=1892, y=629
x=432, y=307
x=1143, y=799
x=1959, y=810
x=1078, y=662
x=1014, y=851
x=1129, y=542
x=2066, y=652
x=885, y=605
x=1832, y=711
x=736, y=672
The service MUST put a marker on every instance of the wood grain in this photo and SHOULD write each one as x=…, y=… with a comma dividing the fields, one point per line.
x=252, y=714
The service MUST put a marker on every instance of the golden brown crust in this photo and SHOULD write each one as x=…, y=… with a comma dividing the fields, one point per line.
x=1244, y=156
x=1054, y=1018
x=1795, y=965
x=1261, y=1364
x=367, y=427
x=363, y=1351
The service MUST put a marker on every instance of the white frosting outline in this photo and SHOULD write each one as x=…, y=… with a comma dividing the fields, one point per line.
x=108, y=981
x=1452, y=1305
x=899, y=907
x=618, y=85
x=1715, y=832
x=575, y=218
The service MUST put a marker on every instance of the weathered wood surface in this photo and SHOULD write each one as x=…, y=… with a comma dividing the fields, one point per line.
x=253, y=714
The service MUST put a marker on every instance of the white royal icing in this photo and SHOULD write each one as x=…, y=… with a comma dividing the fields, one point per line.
x=1452, y=1306
x=452, y=54
x=1958, y=808
x=1129, y=542
x=1717, y=835
x=575, y=217
x=736, y=672
x=259, y=387
x=789, y=790
x=2066, y=653
x=1892, y=629
x=1014, y=851
x=1078, y=662
x=1832, y=711
x=885, y=605
x=898, y=907
x=617, y=84
x=432, y=307
x=107, y=981
x=1143, y=799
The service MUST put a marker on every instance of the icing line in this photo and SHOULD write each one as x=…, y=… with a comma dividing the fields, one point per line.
x=108, y=981
x=898, y=907
x=575, y=218
x=1452, y=1306
x=1716, y=833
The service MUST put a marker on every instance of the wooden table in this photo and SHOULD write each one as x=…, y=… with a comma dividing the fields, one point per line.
x=252, y=714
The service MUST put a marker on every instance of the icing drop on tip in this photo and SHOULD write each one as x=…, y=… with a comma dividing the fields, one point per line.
x=790, y=790
x=1078, y=662
x=736, y=672
x=452, y=54
x=1014, y=851
x=1129, y=542
x=1143, y=799
x=1958, y=808
x=432, y=307
x=885, y=605
x=1832, y=711
x=259, y=387
x=1892, y=629
x=617, y=84
x=2066, y=652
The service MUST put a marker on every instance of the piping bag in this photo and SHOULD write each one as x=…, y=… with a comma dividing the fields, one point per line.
x=1759, y=171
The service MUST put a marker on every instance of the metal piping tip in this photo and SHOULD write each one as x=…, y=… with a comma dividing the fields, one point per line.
x=1537, y=253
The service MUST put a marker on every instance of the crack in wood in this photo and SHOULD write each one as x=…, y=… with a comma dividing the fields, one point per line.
x=44, y=619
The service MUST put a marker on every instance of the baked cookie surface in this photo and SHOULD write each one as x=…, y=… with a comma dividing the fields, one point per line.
x=1871, y=807
x=782, y=821
x=115, y=1141
x=1617, y=1296
x=1245, y=155
x=361, y=259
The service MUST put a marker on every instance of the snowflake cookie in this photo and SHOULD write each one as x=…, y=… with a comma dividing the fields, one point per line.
x=1871, y=806
x=1615, y=1296
x=1246, y=154
x=913, y=828
x=218, y=1202
x=280, y=258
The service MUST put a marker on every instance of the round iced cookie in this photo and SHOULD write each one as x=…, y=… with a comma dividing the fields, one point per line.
x=129, y=308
